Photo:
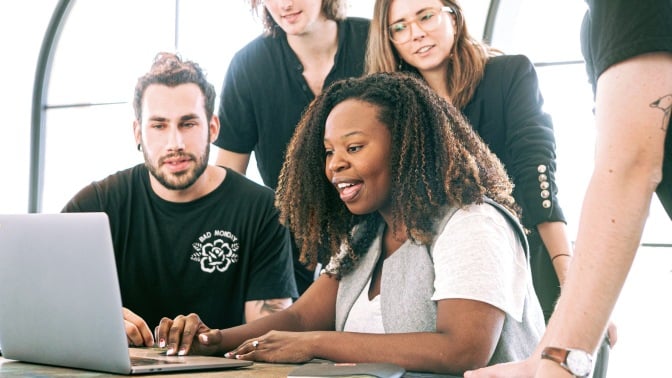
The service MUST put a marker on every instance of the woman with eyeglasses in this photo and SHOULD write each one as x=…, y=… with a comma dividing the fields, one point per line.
x=500, y=97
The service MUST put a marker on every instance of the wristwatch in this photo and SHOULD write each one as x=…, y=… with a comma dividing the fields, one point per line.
x=578, y=362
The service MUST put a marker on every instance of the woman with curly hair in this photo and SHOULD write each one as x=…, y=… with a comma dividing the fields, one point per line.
x=427, y=262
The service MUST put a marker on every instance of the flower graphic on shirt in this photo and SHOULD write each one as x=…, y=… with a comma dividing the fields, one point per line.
x=216, y=251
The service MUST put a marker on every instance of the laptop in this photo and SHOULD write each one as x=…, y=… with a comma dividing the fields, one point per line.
x=60, y=302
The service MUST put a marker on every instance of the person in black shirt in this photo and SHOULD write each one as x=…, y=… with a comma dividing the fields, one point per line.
x=188, y=236
x=307, y=45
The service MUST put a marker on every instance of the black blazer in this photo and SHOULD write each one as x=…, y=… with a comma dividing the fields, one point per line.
x=506, y=111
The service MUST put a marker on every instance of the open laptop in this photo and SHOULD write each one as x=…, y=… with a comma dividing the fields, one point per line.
x=60, y=302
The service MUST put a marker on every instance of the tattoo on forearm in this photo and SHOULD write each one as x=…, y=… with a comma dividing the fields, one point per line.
x=665, y=104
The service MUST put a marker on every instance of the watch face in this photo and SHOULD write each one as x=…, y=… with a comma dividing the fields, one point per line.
x=579, y=362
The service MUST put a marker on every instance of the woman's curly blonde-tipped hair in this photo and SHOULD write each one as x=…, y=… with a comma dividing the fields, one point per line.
x=437, y=161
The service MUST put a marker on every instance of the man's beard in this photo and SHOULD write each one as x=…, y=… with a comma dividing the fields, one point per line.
x=182, y=180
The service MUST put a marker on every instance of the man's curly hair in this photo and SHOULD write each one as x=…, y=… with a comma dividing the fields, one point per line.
x=171, y=70
x=437, y=161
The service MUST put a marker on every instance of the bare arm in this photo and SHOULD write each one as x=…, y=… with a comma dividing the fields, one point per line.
x=556, y=240
x=628, y=167
x=236, y=161
x=258, y=309
x=314, y=310
x=466, y=336
x=560, y=250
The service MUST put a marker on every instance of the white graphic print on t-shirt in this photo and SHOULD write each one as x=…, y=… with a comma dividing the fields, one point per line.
x=216, y=251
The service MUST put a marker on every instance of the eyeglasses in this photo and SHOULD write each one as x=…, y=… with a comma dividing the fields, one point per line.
x=427, y=20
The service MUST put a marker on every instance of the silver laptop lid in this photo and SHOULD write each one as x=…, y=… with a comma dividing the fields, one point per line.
x=60, y=302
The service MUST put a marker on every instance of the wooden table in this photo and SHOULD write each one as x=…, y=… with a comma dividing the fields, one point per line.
x=10, y=368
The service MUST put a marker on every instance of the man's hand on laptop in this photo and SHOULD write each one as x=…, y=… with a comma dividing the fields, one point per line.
x=186, y=334
x=137, y=330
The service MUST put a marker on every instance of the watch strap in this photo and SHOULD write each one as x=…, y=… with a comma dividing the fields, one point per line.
x=559, y=356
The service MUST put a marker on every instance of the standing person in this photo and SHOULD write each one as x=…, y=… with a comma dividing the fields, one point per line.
x=627, y=46
x=307, y=45
x=500, y=97
x=428, y=262
x=188, y=236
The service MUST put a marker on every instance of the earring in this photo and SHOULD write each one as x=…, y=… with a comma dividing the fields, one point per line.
x=401, y=65
x=139, y=147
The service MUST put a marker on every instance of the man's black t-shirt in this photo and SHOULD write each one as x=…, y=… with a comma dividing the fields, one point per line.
x=208, y=256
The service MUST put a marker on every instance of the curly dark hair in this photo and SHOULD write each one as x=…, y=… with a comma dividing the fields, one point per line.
x=171, y=70
x=437, y=161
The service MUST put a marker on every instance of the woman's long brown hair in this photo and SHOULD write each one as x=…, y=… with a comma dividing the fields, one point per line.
x=469, y=55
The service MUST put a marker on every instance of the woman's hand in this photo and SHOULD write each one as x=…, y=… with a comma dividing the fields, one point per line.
x=277, y=346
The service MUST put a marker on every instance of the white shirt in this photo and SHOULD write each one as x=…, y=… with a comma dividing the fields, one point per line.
x=481, y=259
x=365, y=315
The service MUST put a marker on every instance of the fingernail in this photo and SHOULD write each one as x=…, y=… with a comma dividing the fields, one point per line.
x=237, y=356
x=203, y=338
x=170, y=351
x=227, y=354
x=162, y=343
x=182, y=352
